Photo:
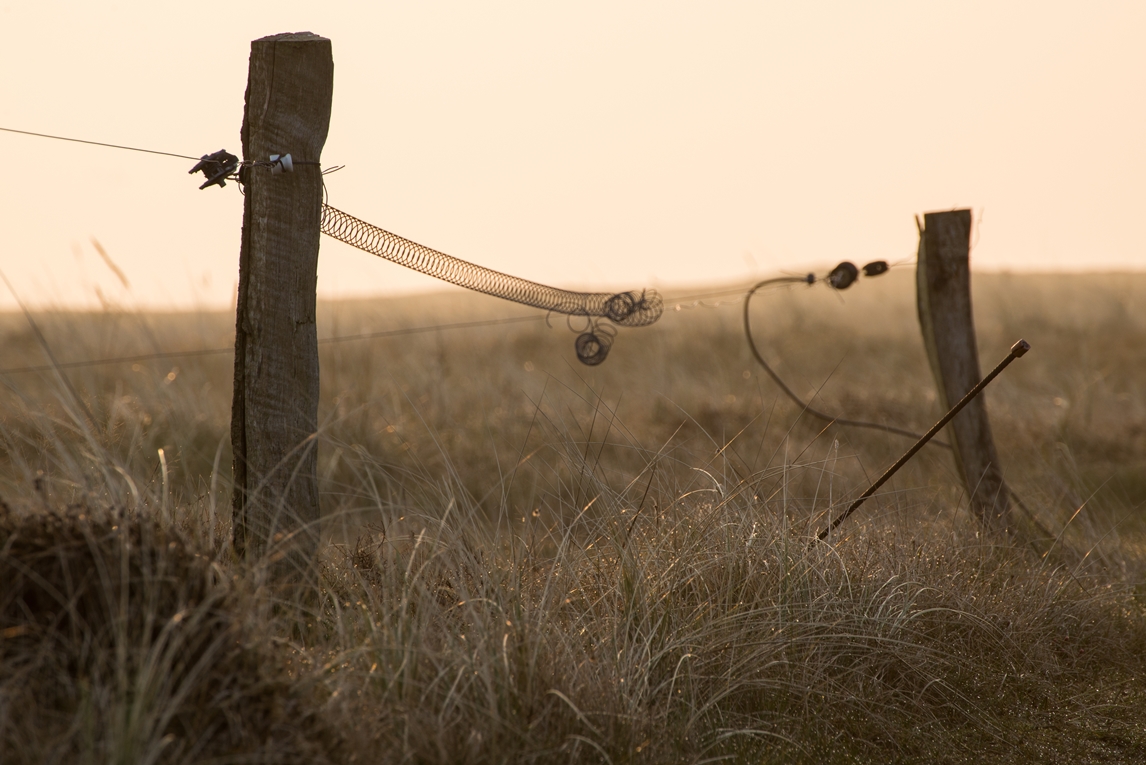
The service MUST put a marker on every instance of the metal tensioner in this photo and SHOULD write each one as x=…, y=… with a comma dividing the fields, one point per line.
x=218, y=167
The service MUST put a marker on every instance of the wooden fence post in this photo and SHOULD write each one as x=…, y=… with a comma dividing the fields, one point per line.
x=943, y=290
x=274, y=414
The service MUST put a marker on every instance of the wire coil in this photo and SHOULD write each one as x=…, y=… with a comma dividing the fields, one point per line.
x=628, y=309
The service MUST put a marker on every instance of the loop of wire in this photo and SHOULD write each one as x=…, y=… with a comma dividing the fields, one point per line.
x=592, y=345
x=627, y=309
x=841, y=277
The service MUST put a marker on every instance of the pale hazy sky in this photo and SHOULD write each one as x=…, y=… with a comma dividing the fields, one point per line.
x=611, y=145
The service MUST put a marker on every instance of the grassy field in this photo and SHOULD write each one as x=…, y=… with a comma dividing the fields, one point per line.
x=528, y=560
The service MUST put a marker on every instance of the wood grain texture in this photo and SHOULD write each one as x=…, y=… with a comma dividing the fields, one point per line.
x=274, y=414
x=943, y=288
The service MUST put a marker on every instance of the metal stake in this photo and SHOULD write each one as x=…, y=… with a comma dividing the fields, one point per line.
x=1017, y=350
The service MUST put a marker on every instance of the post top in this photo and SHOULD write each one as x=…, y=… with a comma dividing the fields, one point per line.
x=962, y=212
x=293, y=37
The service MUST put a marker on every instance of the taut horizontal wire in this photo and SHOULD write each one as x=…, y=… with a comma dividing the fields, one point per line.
x=98, y=143
x=221, y=351
x=416, y=330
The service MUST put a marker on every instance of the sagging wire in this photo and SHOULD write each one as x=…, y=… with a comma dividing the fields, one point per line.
x=592, y=345
x=602, y=310
x=839, y=278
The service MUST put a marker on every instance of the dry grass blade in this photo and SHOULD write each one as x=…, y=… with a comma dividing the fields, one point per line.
x=520, y=565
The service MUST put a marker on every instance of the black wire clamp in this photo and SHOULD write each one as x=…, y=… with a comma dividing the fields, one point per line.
x=218, y=167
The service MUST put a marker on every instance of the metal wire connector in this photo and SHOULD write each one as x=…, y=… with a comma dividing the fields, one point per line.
x=845, y=274
x=218, y=167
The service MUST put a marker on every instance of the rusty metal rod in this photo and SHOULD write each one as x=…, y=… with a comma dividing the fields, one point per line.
x=1017, y=350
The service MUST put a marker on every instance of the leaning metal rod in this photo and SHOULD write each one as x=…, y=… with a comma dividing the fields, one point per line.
x=1017, y=350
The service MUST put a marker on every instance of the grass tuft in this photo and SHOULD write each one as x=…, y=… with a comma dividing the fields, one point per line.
x=524, y=561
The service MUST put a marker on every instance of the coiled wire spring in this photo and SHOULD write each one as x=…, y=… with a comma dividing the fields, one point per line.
x=626, y=309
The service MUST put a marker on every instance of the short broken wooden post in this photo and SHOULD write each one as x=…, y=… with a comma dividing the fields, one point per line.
x=274, y=415
x=943, y=289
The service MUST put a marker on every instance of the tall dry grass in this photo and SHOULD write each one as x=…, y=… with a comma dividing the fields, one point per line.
x=528, y=560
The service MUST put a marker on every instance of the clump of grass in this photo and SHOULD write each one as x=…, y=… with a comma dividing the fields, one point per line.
x=123, y=641
x=710, y=629
x=529, y=562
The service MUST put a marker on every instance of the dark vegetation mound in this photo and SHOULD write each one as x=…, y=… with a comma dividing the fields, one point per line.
x=121, y=642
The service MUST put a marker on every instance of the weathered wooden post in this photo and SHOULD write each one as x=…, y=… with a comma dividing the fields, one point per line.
x=274, y=415
x=943, y=289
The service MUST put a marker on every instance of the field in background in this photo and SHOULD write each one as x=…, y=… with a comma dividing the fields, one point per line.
x=534, y=560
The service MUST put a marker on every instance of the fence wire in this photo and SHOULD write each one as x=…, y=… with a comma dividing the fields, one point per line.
x=627, y=309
